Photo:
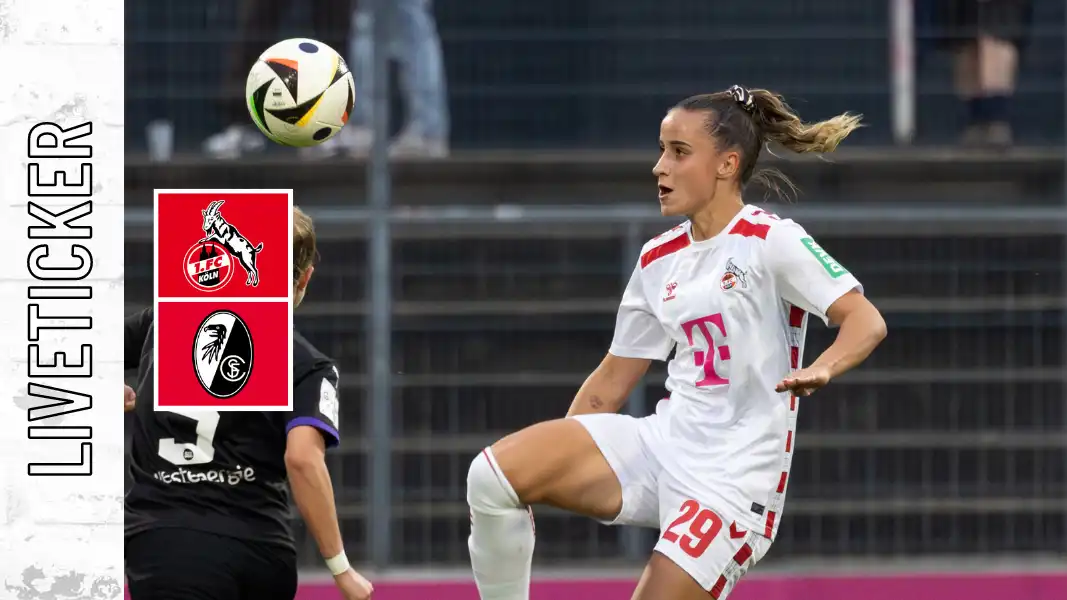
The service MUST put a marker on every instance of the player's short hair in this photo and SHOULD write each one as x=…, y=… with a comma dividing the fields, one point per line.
x=748, y=119
x=305, y=252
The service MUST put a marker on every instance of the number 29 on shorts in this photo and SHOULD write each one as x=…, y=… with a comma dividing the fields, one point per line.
x=694, y=530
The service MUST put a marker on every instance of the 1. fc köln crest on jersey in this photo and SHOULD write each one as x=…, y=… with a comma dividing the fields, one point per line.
x=223, y=354
x=733, y=277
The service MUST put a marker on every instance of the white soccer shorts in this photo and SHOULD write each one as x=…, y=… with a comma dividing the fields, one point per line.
x=711, y=548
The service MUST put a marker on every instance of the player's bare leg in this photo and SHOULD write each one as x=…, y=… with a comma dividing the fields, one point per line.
x=664, y=579
x=555, y=463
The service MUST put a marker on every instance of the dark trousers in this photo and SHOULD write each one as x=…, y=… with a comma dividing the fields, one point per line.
x=183, y=564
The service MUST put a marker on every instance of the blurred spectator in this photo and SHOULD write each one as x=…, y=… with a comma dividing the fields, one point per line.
x=985, y=37
x=415, y=45
x=258, y=24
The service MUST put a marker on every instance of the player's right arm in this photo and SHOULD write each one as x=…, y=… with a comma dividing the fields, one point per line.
x=639, y=339
x=310, y=428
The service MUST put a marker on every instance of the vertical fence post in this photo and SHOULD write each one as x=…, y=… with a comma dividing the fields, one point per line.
x=902, y=69
x=379, y=319
x=636, y=403
x=1063, y=323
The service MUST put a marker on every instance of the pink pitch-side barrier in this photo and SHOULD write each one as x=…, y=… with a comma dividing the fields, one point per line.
x=966, y=586
x=917, y=586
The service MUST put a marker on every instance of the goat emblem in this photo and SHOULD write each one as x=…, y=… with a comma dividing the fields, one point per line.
x=218, y=229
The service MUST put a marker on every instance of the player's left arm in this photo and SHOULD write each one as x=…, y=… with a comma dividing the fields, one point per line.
x=808, y=277
x=311, y=427
x=860, y=329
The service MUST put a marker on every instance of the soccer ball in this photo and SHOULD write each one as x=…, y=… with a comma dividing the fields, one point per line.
x=300, y=92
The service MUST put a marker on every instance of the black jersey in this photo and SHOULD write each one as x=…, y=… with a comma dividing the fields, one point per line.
x=222, y=472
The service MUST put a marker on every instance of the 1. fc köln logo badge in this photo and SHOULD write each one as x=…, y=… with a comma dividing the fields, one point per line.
x=209, y=263
x=208, y=266
x=223, y=301
x=224, y=244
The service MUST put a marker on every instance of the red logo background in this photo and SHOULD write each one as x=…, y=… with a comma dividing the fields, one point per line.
x=259, y=217
x=176, y=329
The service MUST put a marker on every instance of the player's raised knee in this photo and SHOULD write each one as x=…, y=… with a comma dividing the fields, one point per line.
x=487, y=488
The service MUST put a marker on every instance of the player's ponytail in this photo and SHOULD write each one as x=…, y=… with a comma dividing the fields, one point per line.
x=777, y=123
x=750, y=119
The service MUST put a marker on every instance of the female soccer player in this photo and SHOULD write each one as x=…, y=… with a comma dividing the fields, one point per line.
x=729, y=292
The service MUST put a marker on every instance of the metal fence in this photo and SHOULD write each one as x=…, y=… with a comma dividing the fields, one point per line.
x=599, y=73
x=951, y=440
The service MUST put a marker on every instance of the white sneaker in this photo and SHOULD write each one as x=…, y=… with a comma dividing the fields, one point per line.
x=234, y=141
x=413, y=145
x=352, y=140
x=358, y=141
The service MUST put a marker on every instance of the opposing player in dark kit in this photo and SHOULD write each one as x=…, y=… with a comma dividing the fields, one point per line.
x=207, y=517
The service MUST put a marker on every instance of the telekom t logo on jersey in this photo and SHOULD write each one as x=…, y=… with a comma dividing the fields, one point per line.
x=706, y=360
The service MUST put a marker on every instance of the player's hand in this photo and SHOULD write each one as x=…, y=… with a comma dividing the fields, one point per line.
x=354, y=586
x=129, y=400
x=805, y=381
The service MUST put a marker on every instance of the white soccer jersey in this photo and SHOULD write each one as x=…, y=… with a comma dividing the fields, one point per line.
x=734, y=310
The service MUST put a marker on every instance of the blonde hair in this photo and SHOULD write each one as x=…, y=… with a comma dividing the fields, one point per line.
x=305, y=251
x=748, y=119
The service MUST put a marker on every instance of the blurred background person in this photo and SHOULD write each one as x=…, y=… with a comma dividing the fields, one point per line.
x=985, y=38
x=416, y=47
x=258, y=26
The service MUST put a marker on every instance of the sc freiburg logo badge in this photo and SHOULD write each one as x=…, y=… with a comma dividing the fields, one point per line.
x=223, y=354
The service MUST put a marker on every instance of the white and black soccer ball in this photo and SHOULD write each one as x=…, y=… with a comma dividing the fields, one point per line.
x=300, y=92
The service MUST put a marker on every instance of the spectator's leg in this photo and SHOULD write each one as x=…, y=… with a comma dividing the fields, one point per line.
x=358, y=135
x=965, y=67
x=1003, y=26
x=998, y=62
x=422, y=79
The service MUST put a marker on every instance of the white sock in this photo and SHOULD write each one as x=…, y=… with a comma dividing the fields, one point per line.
x=502, y=533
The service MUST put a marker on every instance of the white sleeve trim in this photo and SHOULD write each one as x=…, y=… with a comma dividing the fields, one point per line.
x=629, y=352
